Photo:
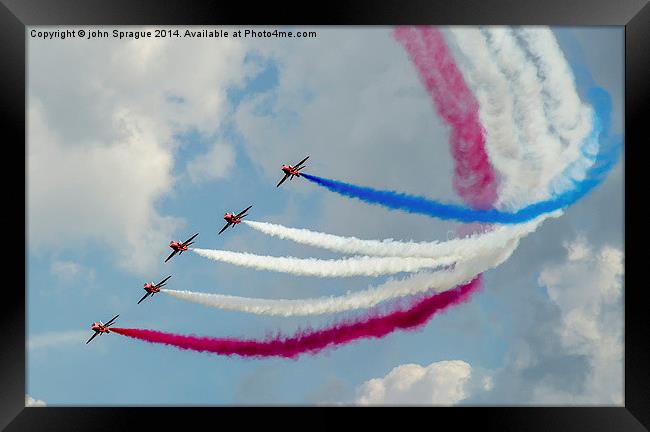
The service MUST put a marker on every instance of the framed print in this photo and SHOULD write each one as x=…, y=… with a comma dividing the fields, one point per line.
x=396, y=205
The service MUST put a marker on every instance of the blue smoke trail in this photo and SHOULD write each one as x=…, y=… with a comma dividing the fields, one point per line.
x=604, y=160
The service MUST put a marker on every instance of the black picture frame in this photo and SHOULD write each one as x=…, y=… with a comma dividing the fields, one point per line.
x=16, y=15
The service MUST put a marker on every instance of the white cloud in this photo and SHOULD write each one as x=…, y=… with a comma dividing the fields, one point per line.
x=31, y=402
x=57, y=339
x=65, y=269
x=578, y=249
x=440, y=383
x=103, y=118
x=214, y=164
x=587, y=289
x=68, y=271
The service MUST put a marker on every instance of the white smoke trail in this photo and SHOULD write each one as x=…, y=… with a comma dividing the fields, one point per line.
x=463, y=247
x=348, y=267
x=545, y=154
x=540, y=148
x=571, y=119
x=523, y=81
x=420, y=282
x=462, y=272
x=496, y=105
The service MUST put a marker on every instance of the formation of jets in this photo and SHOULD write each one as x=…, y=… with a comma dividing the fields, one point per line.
x=290, y=171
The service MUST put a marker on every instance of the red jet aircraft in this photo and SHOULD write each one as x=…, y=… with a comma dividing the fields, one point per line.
x=152, y=289
x=180, y=247
x=234, y=219
x=101, y=328
x=292, y=171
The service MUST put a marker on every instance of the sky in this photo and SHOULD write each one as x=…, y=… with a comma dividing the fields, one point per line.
x=133, y=143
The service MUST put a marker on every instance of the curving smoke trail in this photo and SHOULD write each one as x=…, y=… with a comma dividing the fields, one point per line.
x=606, y=159
x=348, y=267
x=474, y=180
x=579, y=175
x=570, y=118
x=518, y=102
x=463, y=248
x=497, y=112
x=313, y=341
x=539, y=159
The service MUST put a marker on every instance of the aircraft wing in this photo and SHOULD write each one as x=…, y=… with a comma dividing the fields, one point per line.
x=171, y=255
x=189, y=239
x=244, y=211
x=145, y=296
x=224, y=228
x=92, y=337
x=111, y=321
x=162, y=282
x=300, y=163
x=282, y=181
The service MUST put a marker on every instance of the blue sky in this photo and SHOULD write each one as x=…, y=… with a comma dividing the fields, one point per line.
x=99, y=224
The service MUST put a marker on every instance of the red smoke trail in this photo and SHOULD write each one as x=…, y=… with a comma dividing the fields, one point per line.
x=474, y=180
x=313, y=341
